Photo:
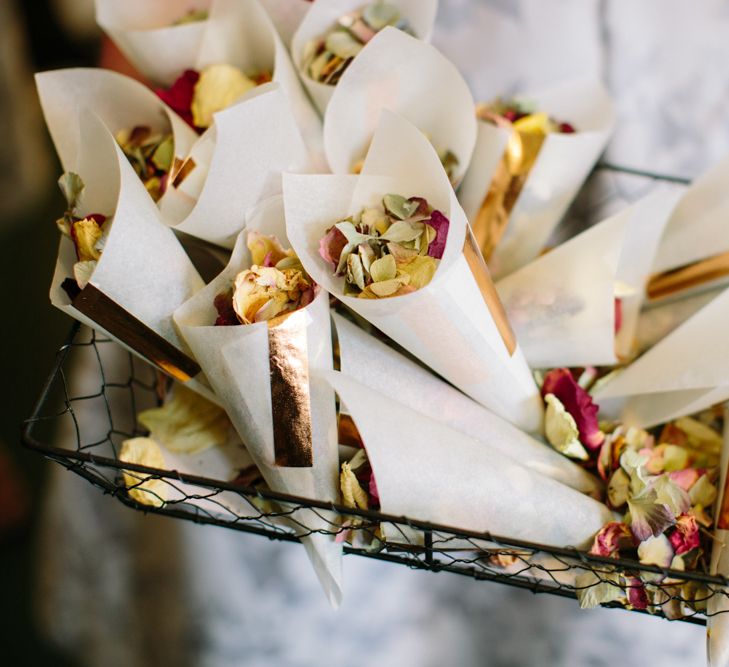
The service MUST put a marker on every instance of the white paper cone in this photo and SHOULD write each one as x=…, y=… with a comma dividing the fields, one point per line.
x=563, y=164
x=236, y=358
x=717, y=623
x=657, y=321
x=562, y=305
x=685, y=372
x=238, y=163
x=323, y=16
x=119, y=101
x=143, y=268
x=241, y=33
x=425, y=470
x=447, y=324
x=697, y=228
x=398, y=72
x=287, y=16
x=145, y=33
x=389, y=373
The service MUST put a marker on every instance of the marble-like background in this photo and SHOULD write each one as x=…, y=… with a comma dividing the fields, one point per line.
x=119, y=589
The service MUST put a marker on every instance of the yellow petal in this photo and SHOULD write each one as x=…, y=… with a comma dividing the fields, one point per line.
x=261, y=246
x=561, y=429
x=421, y=270
x=86, y=234
x=144, y=488
x=217, y=88
x=187, y=422
x=353, y=495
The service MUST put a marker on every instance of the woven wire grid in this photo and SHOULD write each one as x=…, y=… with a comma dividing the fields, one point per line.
x=82, y=417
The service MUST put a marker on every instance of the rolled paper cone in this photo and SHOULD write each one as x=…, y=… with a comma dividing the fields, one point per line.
x=147, y=35
x=455, y=324
x=428, y=471
x=655, y=322
x=238, y=361
x=217, y=177
x=402, y=74
x=717, y=622
x=697, y=228
x=121, y=102
x=287, y=16
x=241, y=33
x=562, y=305
x=684, y=373
x=143, y=273
x=324, y=15
x=236, y=164
x=382, y=369
x=548, y=188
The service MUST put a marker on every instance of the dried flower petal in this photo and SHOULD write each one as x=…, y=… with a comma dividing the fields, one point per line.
x=593, y=589
x=187, y=422
x=179, y=95
x=671, y=495
x=85, y=234
x=265, y=250
x=685, y=535
x=143, y=488
x=561, y=430
x=353, y=495
x=441, y=224
x=648, y=518
x=637, y=596
x=331, y=246
x=703, y=492
x=217, y=88
x=577, y=402
x=608, y=540
x=655, y=550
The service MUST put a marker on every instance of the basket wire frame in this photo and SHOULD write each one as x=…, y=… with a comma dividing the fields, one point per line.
x=81, y=424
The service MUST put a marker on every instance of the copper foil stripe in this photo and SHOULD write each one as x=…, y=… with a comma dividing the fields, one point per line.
x=688, y=276
x=481, y=275
x=290, y=392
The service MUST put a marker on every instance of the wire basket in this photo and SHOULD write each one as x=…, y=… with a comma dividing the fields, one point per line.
x=81, y=419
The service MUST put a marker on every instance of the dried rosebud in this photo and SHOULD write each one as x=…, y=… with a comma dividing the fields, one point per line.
x=331, y=246
x=685, y=535
x=578, y=403
x=610, y=538
x=179, y=95
x=440, y=223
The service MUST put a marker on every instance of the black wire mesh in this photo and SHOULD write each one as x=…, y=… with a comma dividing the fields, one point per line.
x=89, y=412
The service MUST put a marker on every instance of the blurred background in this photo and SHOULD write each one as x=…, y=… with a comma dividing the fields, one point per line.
x=86, y=581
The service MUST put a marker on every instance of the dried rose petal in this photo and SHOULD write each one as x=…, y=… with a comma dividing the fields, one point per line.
x=578, y=403
x=331, y=246
x=685, y=536
x=179, y=95
x=567, y=128
x=423, y=207
x=440, y=223
x=372, y=488
x=226, y=314
x=637, y=597
x=607, y=541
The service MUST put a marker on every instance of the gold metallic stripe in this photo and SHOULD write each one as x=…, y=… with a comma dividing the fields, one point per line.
x=488, y=291
x=688, y=276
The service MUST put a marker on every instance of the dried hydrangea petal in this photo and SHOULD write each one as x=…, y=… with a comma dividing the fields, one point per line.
x=143, y=488
x=384, y=268
x=187, y=422
x=399, y=207
x=593, y=589
x=671, y=495
x=648, y=518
